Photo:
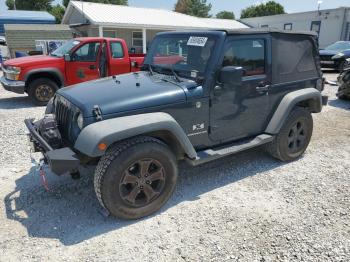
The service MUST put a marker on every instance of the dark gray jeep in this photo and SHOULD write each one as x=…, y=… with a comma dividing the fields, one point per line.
x=200, y=96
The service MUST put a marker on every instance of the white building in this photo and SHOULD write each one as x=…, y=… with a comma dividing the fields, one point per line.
x=136, y=25
x=332, y=24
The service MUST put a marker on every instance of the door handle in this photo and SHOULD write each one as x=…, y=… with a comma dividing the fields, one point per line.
x=92, y=67
x=262, y=88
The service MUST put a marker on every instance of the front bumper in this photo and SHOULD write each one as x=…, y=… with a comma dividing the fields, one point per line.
x=12, y=85
x=60, y=160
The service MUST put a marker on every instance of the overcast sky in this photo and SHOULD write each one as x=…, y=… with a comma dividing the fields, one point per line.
x=236, y=6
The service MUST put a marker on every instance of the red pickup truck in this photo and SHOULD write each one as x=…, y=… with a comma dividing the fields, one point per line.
x=78, y=60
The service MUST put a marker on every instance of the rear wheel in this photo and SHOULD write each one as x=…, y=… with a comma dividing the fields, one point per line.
x=135, y=177
x=41, y=90
x=294, y=137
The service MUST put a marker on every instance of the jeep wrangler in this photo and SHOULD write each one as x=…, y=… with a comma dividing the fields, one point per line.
x=200, y=96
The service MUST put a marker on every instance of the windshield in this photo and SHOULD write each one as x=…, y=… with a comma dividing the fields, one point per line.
x=339, y=46
x=187, y=55
x=64, y=49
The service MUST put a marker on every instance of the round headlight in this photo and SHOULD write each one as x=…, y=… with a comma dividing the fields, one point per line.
x=80, y=121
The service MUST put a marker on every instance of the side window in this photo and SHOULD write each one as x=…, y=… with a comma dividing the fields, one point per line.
x=247, y=53
x=116, y=50
x=87, y=52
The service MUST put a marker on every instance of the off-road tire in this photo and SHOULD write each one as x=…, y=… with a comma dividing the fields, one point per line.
x=40, y=98
x=279, y=147
x=112, y=168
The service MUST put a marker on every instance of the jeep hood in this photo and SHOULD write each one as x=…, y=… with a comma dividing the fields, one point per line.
x=29, y=60
x=123, y=93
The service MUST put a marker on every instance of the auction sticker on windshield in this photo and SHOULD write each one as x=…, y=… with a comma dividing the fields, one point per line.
x=197, y=41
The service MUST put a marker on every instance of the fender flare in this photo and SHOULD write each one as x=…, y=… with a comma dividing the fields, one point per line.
x=57, y=73
x=289, y=101
x=113, y=130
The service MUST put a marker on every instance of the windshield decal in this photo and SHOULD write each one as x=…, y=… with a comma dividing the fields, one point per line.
x=197, y=41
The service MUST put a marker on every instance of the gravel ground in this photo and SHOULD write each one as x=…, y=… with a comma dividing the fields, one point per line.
x=248, y=207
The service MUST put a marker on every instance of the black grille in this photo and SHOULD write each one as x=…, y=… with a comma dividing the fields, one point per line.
x=326, y=57
x=64, y=115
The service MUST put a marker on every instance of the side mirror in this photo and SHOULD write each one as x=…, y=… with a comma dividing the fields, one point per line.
x=67, y=57
x=231, y=75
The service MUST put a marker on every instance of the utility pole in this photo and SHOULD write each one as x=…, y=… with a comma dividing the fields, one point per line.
x=14, y=4
x=319, y=6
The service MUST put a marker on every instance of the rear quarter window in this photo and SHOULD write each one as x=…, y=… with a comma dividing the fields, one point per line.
x=293, y=58
x=116, y=50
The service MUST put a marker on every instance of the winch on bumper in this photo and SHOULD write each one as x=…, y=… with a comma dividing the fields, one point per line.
x=61, y=160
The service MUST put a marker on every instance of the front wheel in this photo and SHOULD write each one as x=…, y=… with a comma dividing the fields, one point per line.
x=41, y=90
x=294, y=137
x=136, y=177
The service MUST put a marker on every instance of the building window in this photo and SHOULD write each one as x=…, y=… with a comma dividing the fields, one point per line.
x=288, y=26
x=137, y=38
x=264, y=26
x=109, y=33
x=316, y=26
x=247, y=53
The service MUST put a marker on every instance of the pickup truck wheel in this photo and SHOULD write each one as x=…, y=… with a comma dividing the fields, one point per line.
x=294, y=137
x=136, y=177
x=41, y=90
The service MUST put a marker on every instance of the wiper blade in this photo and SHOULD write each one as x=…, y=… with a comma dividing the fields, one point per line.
x=175, y=74
x=150, y=69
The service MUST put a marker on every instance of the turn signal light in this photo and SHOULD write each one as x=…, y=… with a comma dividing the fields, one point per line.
x=102, y=146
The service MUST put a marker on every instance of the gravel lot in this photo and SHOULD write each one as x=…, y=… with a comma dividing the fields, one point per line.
x=248, y=207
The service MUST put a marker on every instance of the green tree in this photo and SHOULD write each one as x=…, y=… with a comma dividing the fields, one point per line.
x=225, y=15
x=198, y=8
x=113, y=2
x=58, y=12
x=263, y=9
x=38, y=5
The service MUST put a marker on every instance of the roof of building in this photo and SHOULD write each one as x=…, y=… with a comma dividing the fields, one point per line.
x=26, y=15
x=126, y=16
x=305, y=13
x=38, y=27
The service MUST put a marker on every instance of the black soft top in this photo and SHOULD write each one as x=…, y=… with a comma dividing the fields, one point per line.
x=267, y=31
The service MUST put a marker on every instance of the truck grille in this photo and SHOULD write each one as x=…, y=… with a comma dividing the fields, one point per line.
x=64, y=114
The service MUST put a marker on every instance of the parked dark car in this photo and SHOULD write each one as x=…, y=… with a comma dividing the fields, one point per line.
x=200, y=96
x=334, y=56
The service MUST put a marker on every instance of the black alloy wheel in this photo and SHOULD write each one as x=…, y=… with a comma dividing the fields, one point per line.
x=142, y=182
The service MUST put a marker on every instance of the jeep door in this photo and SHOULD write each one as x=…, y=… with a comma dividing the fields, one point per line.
x=84, y=64
x=239, y=111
